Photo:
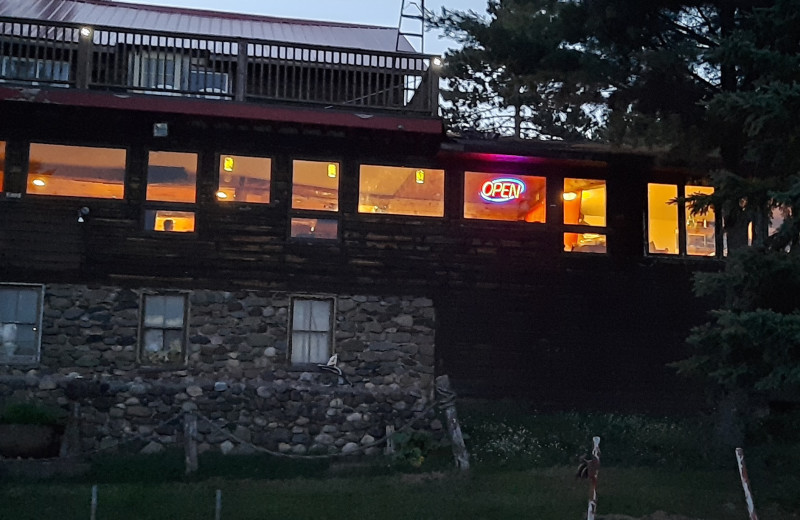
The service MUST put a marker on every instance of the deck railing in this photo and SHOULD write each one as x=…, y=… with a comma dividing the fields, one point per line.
x=34, y=52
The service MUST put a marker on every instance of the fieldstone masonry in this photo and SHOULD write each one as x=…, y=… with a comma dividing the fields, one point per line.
x=236, y=374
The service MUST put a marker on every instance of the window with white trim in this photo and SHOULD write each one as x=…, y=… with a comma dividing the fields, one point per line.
x=25, y=68
x=20, y=323
x=163, y=337
x=312, y=329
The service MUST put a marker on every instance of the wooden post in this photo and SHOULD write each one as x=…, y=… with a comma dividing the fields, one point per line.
x=190, y=442
x=71, y=441
x=594, y=468
x=93, y=512
x=748, y=495
x=240, y=83
x=448, y=403
x=218, y=505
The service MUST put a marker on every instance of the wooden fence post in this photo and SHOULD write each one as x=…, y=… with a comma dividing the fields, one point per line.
x=190, y=442
x=748, y=494
x=389, y=450
x=218, y=505
x=594, y=468
x=93, y=511
x=448, y=402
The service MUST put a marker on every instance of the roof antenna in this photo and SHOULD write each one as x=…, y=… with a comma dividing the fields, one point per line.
x=412, y=23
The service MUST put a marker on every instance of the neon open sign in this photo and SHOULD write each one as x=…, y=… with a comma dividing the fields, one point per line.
x=502, y=190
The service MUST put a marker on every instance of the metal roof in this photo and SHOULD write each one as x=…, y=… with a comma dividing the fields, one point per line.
x=207, y=23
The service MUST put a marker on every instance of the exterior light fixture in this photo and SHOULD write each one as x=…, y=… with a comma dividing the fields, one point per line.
x=221, y=195
x=570, y=195
x=39, y=182
x=437, y=61
x=420, y=177
x=160, y=129
x=86, y=32
x=332, y=170
x=227, y=164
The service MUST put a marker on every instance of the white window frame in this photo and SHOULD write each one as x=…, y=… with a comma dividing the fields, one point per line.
x=299, y=350
x=179, y=62
x=144, y=328
x=7, y=332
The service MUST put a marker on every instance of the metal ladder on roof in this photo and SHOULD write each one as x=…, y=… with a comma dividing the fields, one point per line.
x=412, y=23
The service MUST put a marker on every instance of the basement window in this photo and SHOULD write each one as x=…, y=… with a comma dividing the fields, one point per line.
x=20, y=323
x=163, y=338
x=398, y=190
x=312, y=320
x=76, y=171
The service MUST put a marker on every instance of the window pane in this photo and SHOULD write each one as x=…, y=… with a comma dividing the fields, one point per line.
x=584, y=242
x=315, y=185
x=320, y=315
x=173, y=312
x=308, y=347
x=662, y=219
x=27, y=306
x=585, y=202
x=173, y=346
x=244, y=179
x=169, y=221
x=327, y=229
x=153, y=344
x=8, y=305
x=172, y=177
x=700, y=228
x=154, y=311
x=76, y=171
x=300, y=347
x=401, y=191
x=301, y=315
x=491, y=196
x=26, y=341
x=2, y=164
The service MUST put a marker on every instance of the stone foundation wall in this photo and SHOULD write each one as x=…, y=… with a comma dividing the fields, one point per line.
x=237, y=374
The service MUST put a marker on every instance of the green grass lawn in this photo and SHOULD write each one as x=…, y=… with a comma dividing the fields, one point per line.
x=540, y=494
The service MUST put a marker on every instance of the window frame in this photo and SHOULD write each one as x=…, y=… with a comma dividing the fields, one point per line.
x=35, y=359
x=423, y=166
x=184, y=357
x=584, y=229
x=312, y=213
x=81, y=144
x=218, y=164
x=331, y=344
x=683, y=215
x=160, y=205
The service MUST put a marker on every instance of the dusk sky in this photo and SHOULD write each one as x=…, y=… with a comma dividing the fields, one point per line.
x=371, y=12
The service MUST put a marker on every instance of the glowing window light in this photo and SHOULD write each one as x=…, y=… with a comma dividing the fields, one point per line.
x=38, y=182
x=227, y=164
x=502, y=190
x=332, y=170
x=420, y=176
x=570, y=195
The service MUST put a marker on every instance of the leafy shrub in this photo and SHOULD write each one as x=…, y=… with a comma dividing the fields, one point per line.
x=412, y=448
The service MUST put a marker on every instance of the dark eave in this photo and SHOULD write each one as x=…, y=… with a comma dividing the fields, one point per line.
x=222, y=109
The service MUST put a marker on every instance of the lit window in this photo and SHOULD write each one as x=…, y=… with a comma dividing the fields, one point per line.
x=312, y=330
x=700, y=228
x=20, y=323
x=76, y=171
x=585, y=242
x=172, y=177
x=585, y=202
x=662, y=219
x=2, y=163
x=315, y=185
x=317, y=228
x=492, y=196
x=244, y=179
x=401, y=191
x=169, y=221
x=163, y=329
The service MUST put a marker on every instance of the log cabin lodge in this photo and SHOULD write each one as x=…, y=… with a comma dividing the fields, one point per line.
x=196, y=198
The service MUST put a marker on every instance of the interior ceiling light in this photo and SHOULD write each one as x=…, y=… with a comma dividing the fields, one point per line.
x=332, y=170
x=222, y=195
x=419, y=176
x=570, y=195
x=38, y=182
